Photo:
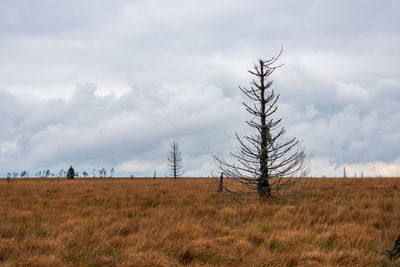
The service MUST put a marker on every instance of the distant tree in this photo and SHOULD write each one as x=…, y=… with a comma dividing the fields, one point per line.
x=102, y=172
x=47, y=173
x=266, y=165
x=84, y=174
x=175, y=163
x=112, y=171
x=94, y=173
x=15, y=174
x=71, y=173
x=23, y=174
x=8, y=177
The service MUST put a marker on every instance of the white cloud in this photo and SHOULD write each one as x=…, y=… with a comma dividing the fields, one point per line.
x=135, y=166
x=328, y=167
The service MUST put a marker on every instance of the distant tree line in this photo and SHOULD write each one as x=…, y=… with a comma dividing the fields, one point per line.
x=175, y=169
x=47, y=173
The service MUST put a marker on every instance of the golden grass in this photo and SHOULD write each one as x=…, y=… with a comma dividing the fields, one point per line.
x=162, y=222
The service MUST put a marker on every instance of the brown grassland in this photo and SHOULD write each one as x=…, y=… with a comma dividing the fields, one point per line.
x=162, y=222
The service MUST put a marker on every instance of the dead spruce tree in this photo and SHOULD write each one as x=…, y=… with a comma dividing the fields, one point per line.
x=175, y=163
x=266, y=165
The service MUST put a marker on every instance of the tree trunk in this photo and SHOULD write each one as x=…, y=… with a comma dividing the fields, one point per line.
x=174, y=163
x=264, y=190
x=221, y=183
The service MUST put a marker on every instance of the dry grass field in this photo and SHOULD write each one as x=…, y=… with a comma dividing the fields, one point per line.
x=162, y=222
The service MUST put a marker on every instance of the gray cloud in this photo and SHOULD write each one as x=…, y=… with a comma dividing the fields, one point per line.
x=91, y=130
x=96, y=83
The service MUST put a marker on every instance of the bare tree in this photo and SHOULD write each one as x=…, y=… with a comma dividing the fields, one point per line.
x=266, y=164
x=102, y=172
x=175, y=163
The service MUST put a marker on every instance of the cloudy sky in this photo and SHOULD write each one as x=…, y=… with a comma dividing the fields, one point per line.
x=112, y=83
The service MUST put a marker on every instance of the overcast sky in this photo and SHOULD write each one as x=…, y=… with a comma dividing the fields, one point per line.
x=112, y=83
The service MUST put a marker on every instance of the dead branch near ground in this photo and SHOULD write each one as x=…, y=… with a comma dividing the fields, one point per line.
x=394, y=252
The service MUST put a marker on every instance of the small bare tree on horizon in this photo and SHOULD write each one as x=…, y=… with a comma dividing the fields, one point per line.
x=266, y=164
x=175, y=163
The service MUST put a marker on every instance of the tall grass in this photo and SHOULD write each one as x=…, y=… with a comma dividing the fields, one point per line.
x=163, y=222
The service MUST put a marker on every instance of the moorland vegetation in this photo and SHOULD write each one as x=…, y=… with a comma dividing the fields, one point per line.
x=167, y=222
